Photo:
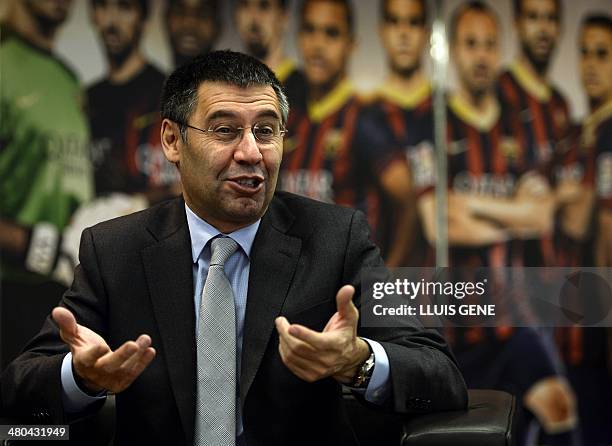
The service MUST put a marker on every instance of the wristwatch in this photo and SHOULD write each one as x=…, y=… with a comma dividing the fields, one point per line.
x=365, y=373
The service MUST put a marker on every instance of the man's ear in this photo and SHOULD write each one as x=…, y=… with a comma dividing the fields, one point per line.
x=171, y=141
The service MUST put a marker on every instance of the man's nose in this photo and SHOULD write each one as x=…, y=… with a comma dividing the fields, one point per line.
x=247, y=150
x=319, y=41
x=189, y=21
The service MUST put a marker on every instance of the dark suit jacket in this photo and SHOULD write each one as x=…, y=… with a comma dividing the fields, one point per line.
x=136, y=277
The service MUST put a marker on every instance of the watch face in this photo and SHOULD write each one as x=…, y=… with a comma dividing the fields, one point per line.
x=365, y=372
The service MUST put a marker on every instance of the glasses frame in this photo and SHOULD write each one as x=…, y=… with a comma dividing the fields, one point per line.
x=282, y=132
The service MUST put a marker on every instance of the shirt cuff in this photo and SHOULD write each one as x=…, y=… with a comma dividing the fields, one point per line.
x=73, y=398
x=379, y=387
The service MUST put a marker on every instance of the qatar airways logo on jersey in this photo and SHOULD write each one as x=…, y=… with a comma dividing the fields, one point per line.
x=423, y=165
x=494, y=185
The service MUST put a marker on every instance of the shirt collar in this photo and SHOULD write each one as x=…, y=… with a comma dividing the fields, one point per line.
x=202, y=232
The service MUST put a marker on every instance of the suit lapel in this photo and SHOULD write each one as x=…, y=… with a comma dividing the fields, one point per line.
x=168, y=266
x=273, y=261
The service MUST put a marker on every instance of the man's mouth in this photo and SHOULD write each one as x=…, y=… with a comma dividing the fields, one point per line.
x=481, y=72
x=246, y=184
x=318, y=62
x=544, y=44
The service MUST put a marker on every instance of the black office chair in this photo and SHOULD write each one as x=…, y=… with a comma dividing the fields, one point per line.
x=488, y=421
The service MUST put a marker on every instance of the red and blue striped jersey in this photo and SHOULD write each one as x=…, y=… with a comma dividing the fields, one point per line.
x=539, y=117
x=389, y=125
x=316, y=159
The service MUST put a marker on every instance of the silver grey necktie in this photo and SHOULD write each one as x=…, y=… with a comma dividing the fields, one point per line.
x=215, y=423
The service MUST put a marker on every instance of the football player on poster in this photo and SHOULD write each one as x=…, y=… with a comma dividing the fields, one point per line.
x=397, y=118
x=261, y=27
x=193, y=27
x=539, y=112
x=122, y=106
x=587, y=219
x=45, y=171
x=316, y=158
x=493, y=200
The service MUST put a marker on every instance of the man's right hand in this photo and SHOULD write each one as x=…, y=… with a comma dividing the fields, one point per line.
x=98, y=367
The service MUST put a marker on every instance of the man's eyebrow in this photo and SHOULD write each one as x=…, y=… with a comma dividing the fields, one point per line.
x=220, y=114
x=268, y=114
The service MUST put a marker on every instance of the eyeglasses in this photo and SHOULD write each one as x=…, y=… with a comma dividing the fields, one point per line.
x=265, y=132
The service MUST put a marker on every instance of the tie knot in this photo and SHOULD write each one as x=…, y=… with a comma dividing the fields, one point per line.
x=221, y=250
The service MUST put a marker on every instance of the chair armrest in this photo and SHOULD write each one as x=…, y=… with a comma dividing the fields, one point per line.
x=488, y=421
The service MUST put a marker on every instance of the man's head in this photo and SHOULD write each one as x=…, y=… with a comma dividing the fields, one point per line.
x=48, y=14
x=325, y=40
x=261, y=25
x=120, y=23
x=538, y=26
x=403, y=32
x=474, y=39
x=193, y=27
x=228, y=173
x=596, y=57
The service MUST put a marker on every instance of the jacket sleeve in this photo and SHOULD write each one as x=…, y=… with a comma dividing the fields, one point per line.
x=423, y=372
x=31, y=384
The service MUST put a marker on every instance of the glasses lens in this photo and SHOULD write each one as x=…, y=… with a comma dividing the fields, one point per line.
x=225, y=132
x=266, y=131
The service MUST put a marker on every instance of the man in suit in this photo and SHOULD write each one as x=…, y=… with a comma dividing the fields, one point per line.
x=291, y=268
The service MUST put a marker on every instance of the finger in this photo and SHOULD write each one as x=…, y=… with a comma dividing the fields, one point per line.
x=120, y=379
x=282, y=327
x=303, y=368
x=344, y=302
x=67, y=324
x=297, y=348
x=89, y=356
x=144, y=342
x=113, y=360
x=313, y=338
x=282, y=324
x=143, y=359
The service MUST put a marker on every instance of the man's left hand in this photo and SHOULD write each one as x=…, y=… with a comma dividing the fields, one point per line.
x=335, y=352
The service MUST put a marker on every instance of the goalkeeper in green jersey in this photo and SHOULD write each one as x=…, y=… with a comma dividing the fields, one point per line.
x=45, y=171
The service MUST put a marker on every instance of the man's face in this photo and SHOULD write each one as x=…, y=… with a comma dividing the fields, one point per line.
x=403, y=34
x=120, y=23
x=476, y=51
x=261, y=24
x=230, y=184
x=325, y=42
x=191, y=28
x=538, y=29
x=50, y=13
x=596, y=62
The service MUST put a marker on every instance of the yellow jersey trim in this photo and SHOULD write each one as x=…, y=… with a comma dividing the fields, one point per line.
x=591, y=122
x=529, y=82
x=284, y=69
x=483, y=121
x=332, y=102
x=406, y=99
